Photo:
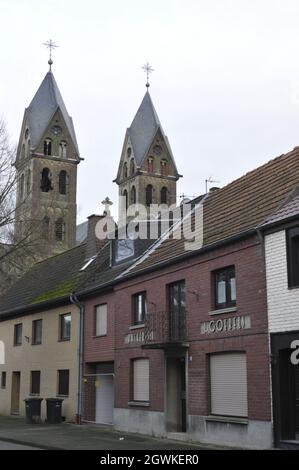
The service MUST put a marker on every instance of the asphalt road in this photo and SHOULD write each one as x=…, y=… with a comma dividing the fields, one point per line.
x=11, y=446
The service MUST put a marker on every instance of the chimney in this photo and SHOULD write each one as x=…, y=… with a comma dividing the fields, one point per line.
x=92, y=243
x=213, y=189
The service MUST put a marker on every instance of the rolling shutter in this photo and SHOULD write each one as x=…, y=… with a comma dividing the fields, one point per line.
x=228, y=384
x=101, y=320
x=141, y=380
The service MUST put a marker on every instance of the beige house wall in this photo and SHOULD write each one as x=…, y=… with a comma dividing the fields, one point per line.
x=48, y=358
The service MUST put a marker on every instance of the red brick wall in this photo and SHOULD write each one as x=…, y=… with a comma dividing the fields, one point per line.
x=251, y=300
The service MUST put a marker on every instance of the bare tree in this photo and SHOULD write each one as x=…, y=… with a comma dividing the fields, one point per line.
x=16, y=255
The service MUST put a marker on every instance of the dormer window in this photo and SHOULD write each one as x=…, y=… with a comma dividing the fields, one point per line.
x=125, y=170
x=62, y=149
x=150, y=165
x=123, y=249
x=132, y=167
x=163, y=167
x=48, y=147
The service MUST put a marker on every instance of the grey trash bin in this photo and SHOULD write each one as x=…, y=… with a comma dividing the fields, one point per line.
x=33, y=409
x=54, y=406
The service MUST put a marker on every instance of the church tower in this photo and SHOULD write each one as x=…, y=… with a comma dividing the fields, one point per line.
x=147, y=172
x=46, y=167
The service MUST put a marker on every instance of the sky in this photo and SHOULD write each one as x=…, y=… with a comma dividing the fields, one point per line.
x=225, y=81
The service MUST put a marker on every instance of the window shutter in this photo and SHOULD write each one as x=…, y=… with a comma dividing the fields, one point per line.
x=101, y=320
x=141, y=380
x=229, y=384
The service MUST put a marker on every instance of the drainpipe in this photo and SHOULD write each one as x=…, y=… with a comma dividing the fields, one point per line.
x=74, y=300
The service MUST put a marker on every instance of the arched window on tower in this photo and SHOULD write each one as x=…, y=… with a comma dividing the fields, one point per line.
x=62, y=182
x=46, y=181
x=149, y=195
x=22, y=186
x=132, y=167
x=48, y=147
x=45, y=227
x=164, y=195
x=60, y=230
x=62, y=149
x=125, y=170
x=23, y=152
x=150, y=165
x=133, y=195
x=125, y=195
x=163, y=167
x=28, y=181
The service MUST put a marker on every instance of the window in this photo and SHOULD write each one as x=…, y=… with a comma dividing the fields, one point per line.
x=60, y=230
x=65, y=327
x=37, y=329
x=125, y=170
x=62, y=149
x=129, y=152
x=35, y=382
x=132, y=167
x=3, y=379
x=149, y=195
x=225, y=288
x=62, y=182
x=228, y=376
x=46, y=185
x=163, y=167
x=139, y=308
x=45, y=227
x=18, y=334
x=164, y=195
x=63, y=382
x=28, y=182
x=124, y=248
x=22, y=186
x=293, y=256
x=150, y=165
x=101, y=320
x=133, y=195
x=125, y=195
x=47, y=147
x=177, y=310
x=140, y=380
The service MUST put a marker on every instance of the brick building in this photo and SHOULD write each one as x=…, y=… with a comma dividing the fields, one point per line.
x=186, y=340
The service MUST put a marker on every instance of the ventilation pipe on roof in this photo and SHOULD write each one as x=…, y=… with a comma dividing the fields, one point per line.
x=91, y=240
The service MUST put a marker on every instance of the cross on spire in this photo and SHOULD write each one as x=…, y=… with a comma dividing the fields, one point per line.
x=148, y=70
x=50, y=45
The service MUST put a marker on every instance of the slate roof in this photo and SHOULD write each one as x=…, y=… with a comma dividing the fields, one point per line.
x=235, y=209
x=44, y=104
x=143, y=129
x=289, y=209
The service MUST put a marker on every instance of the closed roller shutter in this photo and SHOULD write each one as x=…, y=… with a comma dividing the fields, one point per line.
x=141, y=380
x=229, y=384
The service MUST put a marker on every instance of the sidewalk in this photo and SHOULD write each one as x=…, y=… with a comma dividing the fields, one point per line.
x=84, y=437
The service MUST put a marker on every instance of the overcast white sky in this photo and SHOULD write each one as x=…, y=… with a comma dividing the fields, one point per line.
x=225, y=86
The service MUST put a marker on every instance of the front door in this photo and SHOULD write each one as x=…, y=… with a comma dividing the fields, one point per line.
x=176, y=394
x=15, y=392
x=104, y=399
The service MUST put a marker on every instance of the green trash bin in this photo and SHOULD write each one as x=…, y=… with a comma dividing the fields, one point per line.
x=54, y=406
x=33, y=409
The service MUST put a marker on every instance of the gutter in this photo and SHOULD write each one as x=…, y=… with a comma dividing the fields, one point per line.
x=75, y=301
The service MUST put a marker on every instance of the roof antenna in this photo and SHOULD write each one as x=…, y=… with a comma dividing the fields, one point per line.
x=50, y=45
x=148, y=70
x=209, y=180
